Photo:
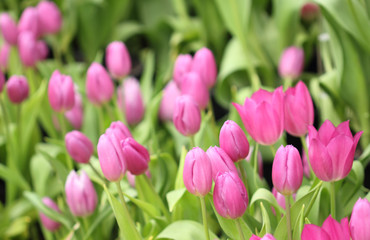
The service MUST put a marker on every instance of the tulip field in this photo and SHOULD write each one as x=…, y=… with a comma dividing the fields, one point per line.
x=185, y=120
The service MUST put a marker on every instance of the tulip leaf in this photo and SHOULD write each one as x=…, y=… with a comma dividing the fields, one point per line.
x=266, y=195
x=147, y=76
x=179, y=179
x=298, y=226
x=146, y=207
x=266, y=227
x=174, y=196
x=185, y=230
x=163, y=169
x=13, y=177
x=103, y=214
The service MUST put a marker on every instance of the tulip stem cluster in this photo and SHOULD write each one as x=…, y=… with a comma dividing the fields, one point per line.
x=239, y=227
x=288, y=220
x=204, y=215
x=332, y=199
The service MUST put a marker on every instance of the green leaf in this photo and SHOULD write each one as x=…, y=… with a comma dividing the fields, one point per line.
x=13, y=176
x=179, y=180
x=174, y=196
x=266, y=195
x=298, y=226
x=184, y=230
x=266, y=220
x=103, y=214
x=150, y=209
x=126, y=30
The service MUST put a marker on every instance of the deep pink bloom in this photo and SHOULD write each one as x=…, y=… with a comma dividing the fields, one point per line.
x=186, y=115
x=28, y=48
x=197, y=173
x=9, y=29
x=29, y=21
x=99, y=85
x=4, y=57
x=263, y=115
x=48, y=223
x=170, y=93
x=204, y=64
x=49, y=16
x=194, y=86
x=313, y=232
x=332, y=150
x=220, y=161
x=360, y=220
x=336, y=231
x=259, y=161
x=121, y=130
x=233, y=141
x=135, y=155
x=17, y=89
x=118, y=59
x=75, y=115
x=310, y=11
x=61, y=92
x=298, y=110
x=229, y=195
x=182, y=67
x=78, y=146
x=291, y=62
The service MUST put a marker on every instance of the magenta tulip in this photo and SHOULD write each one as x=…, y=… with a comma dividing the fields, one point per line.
x=136, y=156
x=310, y=11
x=61, y=92
x=118, y=59
x=29, y=21
x=17, y=89
x=99, y=86
x=360, y=220
x=4, y=57
x=28, y=49
x=291, y=63
x=331, y=150
x=313, y=232
x=263, y=115
x=78, y=146
x=9, y=29
x=194, y=86
x=204, y=64
x=186, y=115
x=121, y=130
x=197, y=173
x=48, y=223
x=182, y=66
x=166, y=109
x=233, y=141
x=75, y=115
x=336, y=231
x=49, y=16
x=266, y=237
x=220, y=161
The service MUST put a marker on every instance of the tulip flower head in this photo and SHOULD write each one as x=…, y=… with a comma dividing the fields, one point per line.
x=121, y=130
x=186, y=115
x=42, y=50
x=48, y=223
x=204, y=64
x=166, y=109
x=310, y=11
x=29, y=21
x=2, y=81
x=266, y=237
x=291, y=63
x=331, y=230
x=182, y=66
x=360, y=220
x=28, y=48
x=118, y=59
x=193, y=85
x=50, y=18
x=99, y=85
x=75, y=115
x=78, y=146
x=4, y=57
x=61, y=92
x=9, y=29
x=220, y=161
x=17, y=89
x=136, y=156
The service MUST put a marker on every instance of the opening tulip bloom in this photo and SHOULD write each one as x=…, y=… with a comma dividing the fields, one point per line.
x=118, y=59
x=75, y=115
x=17, y=89
x=298, y=110
x=135, y=155
x=204, y=64
x=186, y=115
x=166, y=109
x=291, y=63
x=229, y=195
x=8, y=29
x=193, y=85
x=61, y=92
x=78, y=146
x=331, y=150
x=360, y=220
x=263, y=115
x=197, y=173
x=182, y=67
x=48, y=223
x=331, y=230
x=99, y=86
x=220, y=161
x=233, y=141
x=50, y=18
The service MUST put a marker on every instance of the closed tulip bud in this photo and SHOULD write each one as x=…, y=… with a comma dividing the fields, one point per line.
x=310, y=11
x=298, y=110
x=167, y=106
x=259, y=161
x=48, y=223
x=194, y=86
x=28, y=49
x=49, y=16
x=204, y=64
x=360, y=220
x=332, y=150
x=4, y=57
x=291, y=63
x=78, y=146
x=313, y=232
x=17, y=89
x=263, y=115
x=42, y=50
x=8, y=29
x=233, y=141
x=220, y=161
x=75, y=115
x=182, y=66
x=197, y=173
x=120, y=129
x=80, y=193
x=118, y=59
x=29, y=21
x=287, y=170
x=229, y=195
x=61, y=92
x=136, y=156
x=99, y=86
x=2, y=81
x=186, y=115
x=110, y=155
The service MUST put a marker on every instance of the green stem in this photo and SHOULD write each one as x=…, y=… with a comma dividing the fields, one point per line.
x=109, y=111
x=101, y=119
x=287, y=82
x=311, y=201
x=204, y=215
x=288, y=225
x=239, y=227
x=192, y=141
x=255, y=159
x=19, y=130
x=304, y=144
x=244, y=176
x=6, y=122
x=63, y=129
x=273, y=150
x=256, y=82
x=332, y=199
x=120, y=112
x=97, y=173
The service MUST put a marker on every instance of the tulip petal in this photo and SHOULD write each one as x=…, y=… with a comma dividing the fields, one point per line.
x=325, y=132
x=313, y=232
x=339, y=149
x=320, y=160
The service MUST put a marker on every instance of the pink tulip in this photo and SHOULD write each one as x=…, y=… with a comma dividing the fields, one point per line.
x=78, y=146
x=204, y=64
x=310, y=11
x=167, y=106
x=233, y=141
x=291, y=63
x=182, y=66
x=306, y=166
x=75, y=115
x=332, y=150
x=29, y=21
x=61, y=92
x=259, y=161
x=118, y=59
x=197, y=173
x=263, y=115
x=186, y=115
x=121, y=130
x=9, y=29
x=313, y=232
x=194, y=86
x=42, y=50
x=266, y=237
x=360, y=220
x=331, y=230
x=99, y=86
x=49, y=16
x=2, y=81
x=136, y=156
x=229, y=195
x=17, y=89
x=4, y=57
x=298, y=110
x=28, y=48
x=81, y=195
x=48, y=223
x=220, y=161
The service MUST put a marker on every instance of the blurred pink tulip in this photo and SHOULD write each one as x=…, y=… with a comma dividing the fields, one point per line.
x=9, y=29
x=186, y=115
x=194, y=86
x=118, y=59
x=360, y=220
x=61, y=92
x=204, y=64
x=29, y=22
x=182, y=66
x=291, y=62
x=136, y=156
x=49, y=16
x=17, y=89
x=48, y=223
x=78, y=146
x=99, y=85
x=75, y=115
x=166, y=109
x=29, y=50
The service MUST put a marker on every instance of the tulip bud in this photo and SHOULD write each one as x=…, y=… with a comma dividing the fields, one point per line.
x=233, y=141
x=194, y=86
x=310, y=11
x=9, y=29
x=4, y=57
x=99, y=86
x=204, y=64
x=259, y=161
x=186, y=115
x=80, y=193
x=331, y=150
x=313, y=232
x=360, y=220
x=48, y=223
x=229, y=195
x=197, y=173
x=75, y=115
x=118, y=59
x=291, y=63
x=61, y=92
x=136, y=156
x=263, y=115
x=28, y=48
x=2, y=81
x=182, y=66
x=78, y=146
x=49, y=16
x=167, y=106
x=287, y=170
x=120, y=130
x=131, y=101
x=42, y=50
x=17, y=89
x=29, y=21
x=220, y=161
x=298, y=110
x=266, y=237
